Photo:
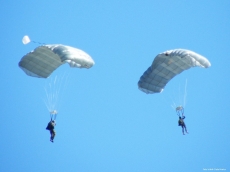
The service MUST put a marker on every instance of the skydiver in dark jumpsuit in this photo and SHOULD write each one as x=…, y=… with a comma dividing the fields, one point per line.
x=50, y=127
x=182, y=124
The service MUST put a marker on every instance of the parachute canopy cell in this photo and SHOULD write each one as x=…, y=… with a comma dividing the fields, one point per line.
x=166, y=65
x=42, y=61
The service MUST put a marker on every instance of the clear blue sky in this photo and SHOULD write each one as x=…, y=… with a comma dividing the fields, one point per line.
x=105, y=123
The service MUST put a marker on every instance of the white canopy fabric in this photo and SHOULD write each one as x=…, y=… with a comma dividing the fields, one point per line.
x=42, y=61
x=166, y=65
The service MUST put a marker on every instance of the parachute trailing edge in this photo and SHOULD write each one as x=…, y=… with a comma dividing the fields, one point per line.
x=42, y=61
x=166, y=65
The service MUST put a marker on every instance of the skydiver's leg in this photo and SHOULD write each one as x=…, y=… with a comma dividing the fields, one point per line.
x=185, y=128
x=51, y=136
x=182, y=129
x=54, y=133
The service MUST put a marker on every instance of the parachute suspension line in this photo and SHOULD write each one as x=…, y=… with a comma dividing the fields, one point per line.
x=26, y=40
x=180, y=111
x=180, y=104
x=53, y=115
x=51, y=96
x=38, y=43
x=55, y=93
x=185, y=92
x=46, y=101
x=174, y=99
x=53, y=89
x=180, y=96
x=66, y=80
x=174, y=104
x=60, y=85
x=178, y=99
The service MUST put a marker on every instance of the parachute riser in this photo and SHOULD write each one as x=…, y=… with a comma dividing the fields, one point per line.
x=38, y=43
x=53, y=115
x=180, y=111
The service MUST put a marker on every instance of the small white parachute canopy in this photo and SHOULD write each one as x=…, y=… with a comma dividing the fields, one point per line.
x=42, y=61
x=25, y=39
x=166, y=65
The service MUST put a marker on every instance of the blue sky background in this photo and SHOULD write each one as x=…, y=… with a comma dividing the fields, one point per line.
x=105, y=123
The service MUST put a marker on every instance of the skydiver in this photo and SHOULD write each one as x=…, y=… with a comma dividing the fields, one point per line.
x=182, y=124
x=50, y=127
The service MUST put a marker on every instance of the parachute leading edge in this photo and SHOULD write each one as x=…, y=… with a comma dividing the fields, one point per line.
x=166, y=65
x=42, y=61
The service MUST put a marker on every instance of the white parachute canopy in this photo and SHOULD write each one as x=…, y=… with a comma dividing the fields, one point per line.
x=166, y=65
x=43, y=60
x=25, y=39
